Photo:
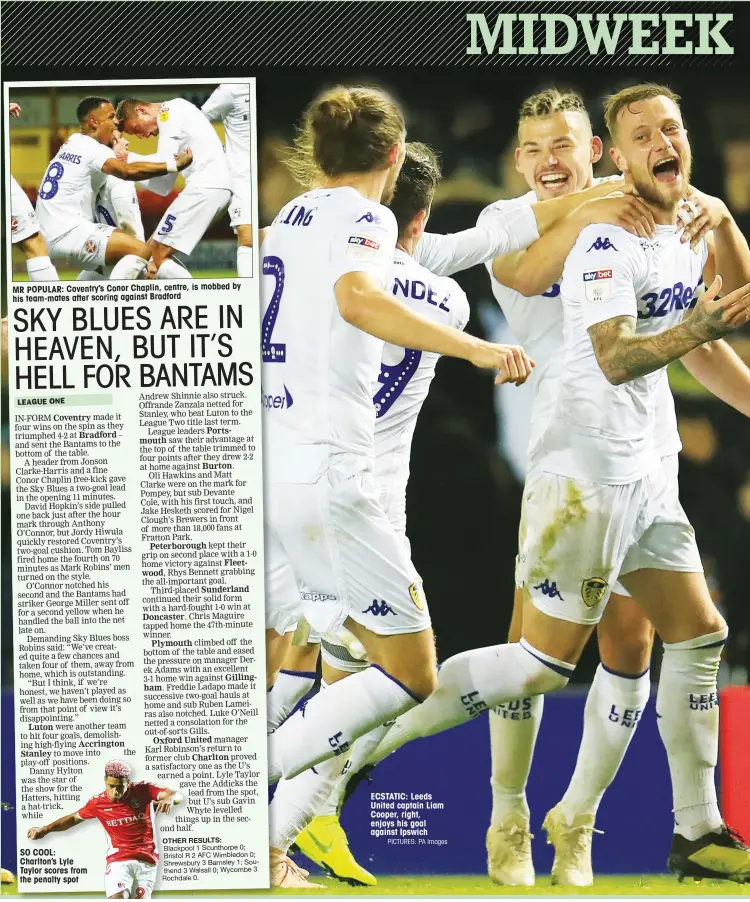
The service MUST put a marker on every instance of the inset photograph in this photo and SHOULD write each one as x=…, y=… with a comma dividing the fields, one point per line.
x=148, y=181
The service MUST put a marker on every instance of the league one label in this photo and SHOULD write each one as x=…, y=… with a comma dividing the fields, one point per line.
x=138, y=573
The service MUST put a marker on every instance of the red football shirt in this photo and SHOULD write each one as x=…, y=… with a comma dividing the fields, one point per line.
x=129, y=825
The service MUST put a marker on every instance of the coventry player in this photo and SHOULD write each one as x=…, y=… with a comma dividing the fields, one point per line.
x=207, y=192
x=231, y=104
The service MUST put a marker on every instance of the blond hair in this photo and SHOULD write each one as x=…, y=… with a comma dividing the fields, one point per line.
x=545, y=103
x=345, y=130
x=616, y=103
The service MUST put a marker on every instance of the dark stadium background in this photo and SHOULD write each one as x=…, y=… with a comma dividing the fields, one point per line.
x=463, y=498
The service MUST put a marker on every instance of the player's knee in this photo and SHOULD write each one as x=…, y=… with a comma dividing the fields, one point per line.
x=631, y=653
x=34, y=246
x=420, y=681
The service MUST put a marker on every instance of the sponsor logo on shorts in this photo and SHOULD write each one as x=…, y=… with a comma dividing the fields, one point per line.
x=90, y=247
x=317, y=596
x=14, y=225
x=550, y=589
x=593, y=590
x=379, y=608
x=416, y=591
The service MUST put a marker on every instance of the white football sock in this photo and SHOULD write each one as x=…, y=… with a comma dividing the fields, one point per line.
x=687, y=706
x=361, y=752
x=130, y=268
x=296, y=802
x=513, y=731
x=244, y=262
x=472, y=682
x=330, y=722
x=40, y=269
x=614, y=708
x=172, y=269
x=289, y=688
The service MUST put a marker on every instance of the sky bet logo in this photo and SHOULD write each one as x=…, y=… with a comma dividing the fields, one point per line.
x=278, y=402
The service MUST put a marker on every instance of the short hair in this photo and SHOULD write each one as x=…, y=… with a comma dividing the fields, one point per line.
x=616, y=103
x=346, y=130
x=545, y=103
x=87, y=106
x=416, y=183
x=118, y=769
x=126, y=108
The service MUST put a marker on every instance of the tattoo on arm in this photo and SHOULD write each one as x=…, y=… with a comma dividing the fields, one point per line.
x=624, y=356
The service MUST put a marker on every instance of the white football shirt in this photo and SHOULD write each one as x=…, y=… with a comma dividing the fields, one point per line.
x=537, y=324
x=117, y=205
x=231, y=104
x=405, y=378
x=181, y=126
x=318, y=370
x=70, y=186
x=598, y=431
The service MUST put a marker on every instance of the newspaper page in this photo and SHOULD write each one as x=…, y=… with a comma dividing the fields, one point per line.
x=504, y=595
x=136, y=492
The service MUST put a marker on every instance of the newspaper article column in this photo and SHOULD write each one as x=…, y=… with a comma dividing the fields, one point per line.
x=135, y=414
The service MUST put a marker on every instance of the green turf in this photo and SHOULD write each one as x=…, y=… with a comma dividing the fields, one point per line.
x=468, y=885
x=69, y=275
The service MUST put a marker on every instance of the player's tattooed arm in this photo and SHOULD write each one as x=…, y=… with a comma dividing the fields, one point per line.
x=623, y=355
x=62, y=823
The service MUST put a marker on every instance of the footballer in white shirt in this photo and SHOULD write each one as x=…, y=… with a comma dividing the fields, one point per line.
x=208, y=184
x=326, y=316
x=66, y=200
x=24, y=229
x=599, y=503
x=230, y=103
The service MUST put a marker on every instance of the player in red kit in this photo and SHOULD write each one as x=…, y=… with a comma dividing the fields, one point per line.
x=126, y=811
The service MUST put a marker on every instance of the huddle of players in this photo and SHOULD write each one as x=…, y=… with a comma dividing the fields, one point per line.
x=87, y=212
x=604, y=289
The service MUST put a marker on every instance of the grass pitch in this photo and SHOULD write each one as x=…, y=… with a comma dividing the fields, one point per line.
x=474, y=885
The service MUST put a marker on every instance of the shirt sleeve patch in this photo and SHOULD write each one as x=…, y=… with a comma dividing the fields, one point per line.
x=597, y=285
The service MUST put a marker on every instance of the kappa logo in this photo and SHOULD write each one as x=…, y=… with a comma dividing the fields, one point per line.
x=602, y=244
x=369, y=217
x=379, y=608
x=550, y=589
x=593, y=590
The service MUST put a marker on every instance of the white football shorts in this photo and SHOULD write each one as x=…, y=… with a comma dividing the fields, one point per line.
x=332, y=553
x=23, y=221
x=84, y=245
x=135, y=878
x=189, y=215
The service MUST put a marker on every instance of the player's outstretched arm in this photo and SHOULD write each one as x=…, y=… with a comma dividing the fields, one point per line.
x=719, y=369
x=548, y=212
x=364, y=304
x=142, y=169
x=623, y=355
x=166, y=799
x=531, y=272
x=62, y=823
